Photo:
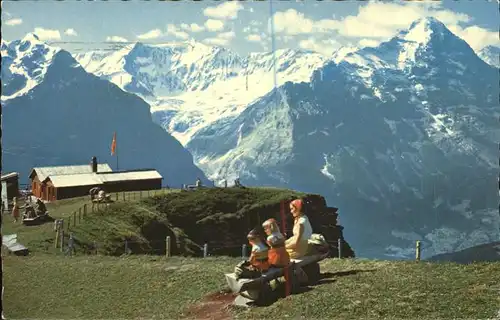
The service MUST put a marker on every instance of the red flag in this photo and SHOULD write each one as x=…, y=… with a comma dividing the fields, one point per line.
x=113, y=145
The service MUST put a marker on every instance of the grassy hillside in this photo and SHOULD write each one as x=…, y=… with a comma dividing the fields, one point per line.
x=49, y=285
x=95, y=287
x=220, y=217
x=189, y=218
x=41, y=238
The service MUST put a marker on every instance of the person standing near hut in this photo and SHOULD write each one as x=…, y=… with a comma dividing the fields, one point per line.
x=297, y=245
x=15, y=210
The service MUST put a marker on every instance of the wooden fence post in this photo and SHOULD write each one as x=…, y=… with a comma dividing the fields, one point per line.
x=128, y=196
x=62, y=240
x=116, y=196
x=167, y=246
x=340, y=248
x=418, y=251
x=133, y=196
x=244, y=251
x=61, y=227
x=126, y=246
x=123, y=194
x=69, y=223
x=84, y=210
x=205, y=250
x=80, y=214
x=140, y=194
x=74, y=218
x=58, y=229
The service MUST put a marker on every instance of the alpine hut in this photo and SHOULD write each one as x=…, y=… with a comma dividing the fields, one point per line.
x=63, y=182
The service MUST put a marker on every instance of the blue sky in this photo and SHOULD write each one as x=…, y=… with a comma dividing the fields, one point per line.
x=321, y=26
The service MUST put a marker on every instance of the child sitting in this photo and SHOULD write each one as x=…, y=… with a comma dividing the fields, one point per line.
x=259, y=254
x=278, y=256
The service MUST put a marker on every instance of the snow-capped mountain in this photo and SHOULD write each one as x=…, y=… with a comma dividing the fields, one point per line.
x=24, y=64
x=55, y=113
x=403, y=137
x=490, y=55
x=190, y=85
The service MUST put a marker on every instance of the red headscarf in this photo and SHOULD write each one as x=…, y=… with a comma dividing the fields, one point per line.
x=297, y=203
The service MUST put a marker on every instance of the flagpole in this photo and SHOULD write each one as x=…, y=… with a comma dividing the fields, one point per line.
x=116, y=153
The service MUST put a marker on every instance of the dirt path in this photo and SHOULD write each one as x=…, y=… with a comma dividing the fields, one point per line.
x=214, y=306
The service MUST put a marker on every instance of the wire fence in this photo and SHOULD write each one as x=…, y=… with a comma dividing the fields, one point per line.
x=94, y=206
x=166, y=248
x=68, y=244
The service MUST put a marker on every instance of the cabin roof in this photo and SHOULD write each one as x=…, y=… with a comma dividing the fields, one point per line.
x=10, y=175
x=89, y=179
x=44, y=172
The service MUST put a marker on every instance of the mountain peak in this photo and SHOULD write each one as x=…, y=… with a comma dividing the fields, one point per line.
x=428, y=22
x=424, y=29
x=31, y=37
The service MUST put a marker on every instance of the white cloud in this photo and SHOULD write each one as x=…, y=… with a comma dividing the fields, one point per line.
x=292, y=22
x=14, y=22
x=193, y=27
x=176, y=32
x=226, y=10
x=222, y=39
x=250, y=10
x=214, y=25
x=254, y=38
x=246, y=29
x=47, y=34
x=70, y=32
x=116, y=39
x=226, y=35
x=368, y=43
x=216, y=41
x=377, y=21
x=383, y=20
x=477, y=37
x=152, y=34
x=326, y=46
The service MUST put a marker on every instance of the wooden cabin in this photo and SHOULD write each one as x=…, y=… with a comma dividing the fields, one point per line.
x=10, y=188
x=63, y=182
x=43, y=187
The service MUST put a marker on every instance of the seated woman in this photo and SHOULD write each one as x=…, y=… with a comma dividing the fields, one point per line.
x=297, y=246
x=259, y=254
x=278, y=256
